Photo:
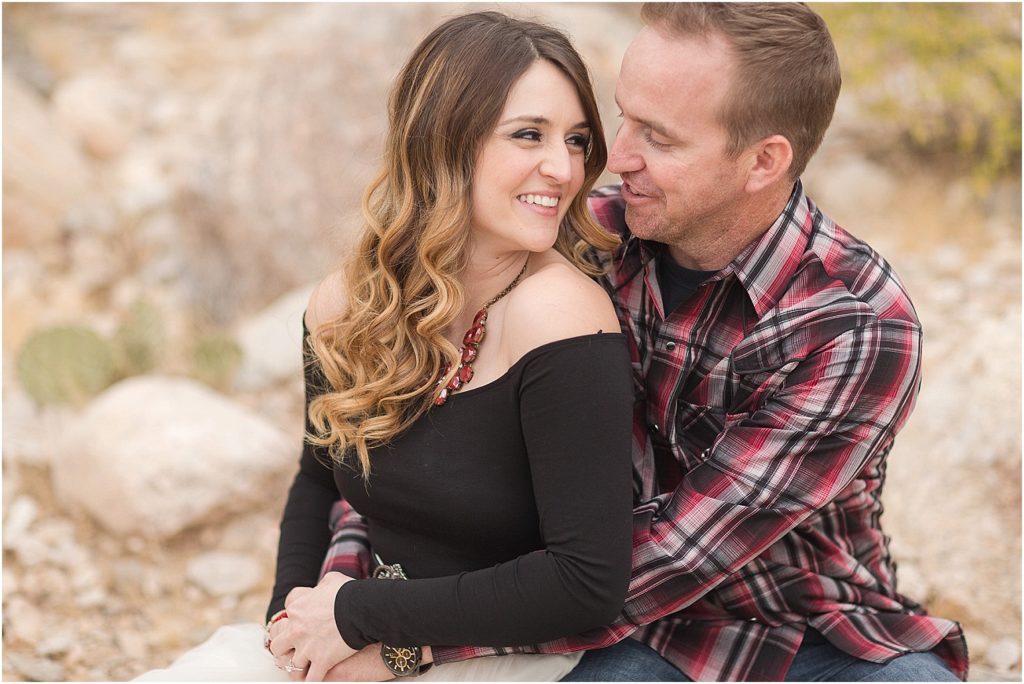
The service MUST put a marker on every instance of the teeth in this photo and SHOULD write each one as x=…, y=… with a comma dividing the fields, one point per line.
x=539, y=199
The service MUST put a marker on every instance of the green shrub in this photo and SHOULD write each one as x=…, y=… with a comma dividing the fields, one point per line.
x=940, y=80
x=65, y=365
x=215, y=359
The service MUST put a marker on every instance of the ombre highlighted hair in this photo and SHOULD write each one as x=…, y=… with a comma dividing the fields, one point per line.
x=384, y=356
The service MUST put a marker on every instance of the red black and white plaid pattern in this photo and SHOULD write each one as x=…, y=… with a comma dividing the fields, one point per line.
x=767, y=404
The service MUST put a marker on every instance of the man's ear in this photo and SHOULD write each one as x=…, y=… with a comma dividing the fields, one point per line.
x=770, y=159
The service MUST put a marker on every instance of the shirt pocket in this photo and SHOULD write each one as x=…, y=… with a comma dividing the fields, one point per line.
x=730, y=390
x=750, y=390
x=698, y=427
x=690, y=444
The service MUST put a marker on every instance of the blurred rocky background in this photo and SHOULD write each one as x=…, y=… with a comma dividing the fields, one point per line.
x=177, y=177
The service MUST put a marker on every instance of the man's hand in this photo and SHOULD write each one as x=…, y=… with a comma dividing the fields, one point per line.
x=364, y=666
x=309, y=636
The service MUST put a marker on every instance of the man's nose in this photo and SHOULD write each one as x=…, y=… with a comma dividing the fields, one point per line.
x=624, y=156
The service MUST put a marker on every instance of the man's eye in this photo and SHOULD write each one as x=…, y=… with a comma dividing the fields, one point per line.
x=652, y=142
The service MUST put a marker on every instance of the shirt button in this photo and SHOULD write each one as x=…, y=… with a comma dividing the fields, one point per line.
x=670, y=345
x=654, y=428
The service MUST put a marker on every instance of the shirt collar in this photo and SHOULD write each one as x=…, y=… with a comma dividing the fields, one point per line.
x=764, y=268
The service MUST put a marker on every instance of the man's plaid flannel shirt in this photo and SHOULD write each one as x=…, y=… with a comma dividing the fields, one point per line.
x=767, y=404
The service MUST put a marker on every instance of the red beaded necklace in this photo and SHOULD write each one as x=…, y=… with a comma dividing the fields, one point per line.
x=470, y=346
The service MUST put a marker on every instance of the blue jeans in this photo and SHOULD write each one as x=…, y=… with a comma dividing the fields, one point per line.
x=626, y=661
x=816, y=661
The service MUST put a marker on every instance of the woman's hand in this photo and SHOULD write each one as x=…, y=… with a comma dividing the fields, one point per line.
x=309, y=635
x=274, y=629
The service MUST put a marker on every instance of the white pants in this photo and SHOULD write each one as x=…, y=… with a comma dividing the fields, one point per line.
x=235, y=653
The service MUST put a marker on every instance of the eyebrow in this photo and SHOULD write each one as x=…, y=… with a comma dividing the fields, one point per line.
x=538, y=120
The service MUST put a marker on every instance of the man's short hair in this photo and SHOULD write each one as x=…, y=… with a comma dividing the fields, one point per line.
x=787, y=77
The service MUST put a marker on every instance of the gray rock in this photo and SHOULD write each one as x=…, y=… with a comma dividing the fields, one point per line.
x=91, y=598
x=96, y=109
x=44, y=172
x=22, y=621
x=36, y=669
x=912, y=582
x=153, y=455
x=31, y=551
x=142, y=183
x=55, y=531
x=132, y=644
x=55, y=643
x=982, y=673
x=22, y=512
x=1004, y=654
x=271, y=342
x=29, y=429
x=949, y=258
x=95, y=217
x=94, y=263
x=23, y=439
x=224, y=573
x=86, y=577
x=162, y=256
x=22, y=274
x=128, y=573
x=11, y=582
x=257, y=534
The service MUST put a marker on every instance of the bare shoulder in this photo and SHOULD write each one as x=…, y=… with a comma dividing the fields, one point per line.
x=556, y=302
x=327, y=302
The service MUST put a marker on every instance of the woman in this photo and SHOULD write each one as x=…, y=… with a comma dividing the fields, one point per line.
x=466, y=381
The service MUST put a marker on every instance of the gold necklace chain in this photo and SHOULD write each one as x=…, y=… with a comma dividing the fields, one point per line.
x=511, y=285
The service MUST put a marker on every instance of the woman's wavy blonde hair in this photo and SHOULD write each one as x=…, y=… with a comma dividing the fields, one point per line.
x=384, y=356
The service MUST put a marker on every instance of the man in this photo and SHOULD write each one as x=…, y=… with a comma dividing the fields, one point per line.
x=778, y=357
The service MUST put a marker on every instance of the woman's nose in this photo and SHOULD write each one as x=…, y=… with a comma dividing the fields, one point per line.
x=557, y=163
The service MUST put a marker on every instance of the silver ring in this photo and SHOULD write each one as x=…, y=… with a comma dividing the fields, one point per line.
x=290, y=667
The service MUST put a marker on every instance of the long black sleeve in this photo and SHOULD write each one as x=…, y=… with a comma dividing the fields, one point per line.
x=570, y=403
x=305, y=535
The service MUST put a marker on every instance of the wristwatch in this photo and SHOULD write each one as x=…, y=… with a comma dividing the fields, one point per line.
x=401, y=661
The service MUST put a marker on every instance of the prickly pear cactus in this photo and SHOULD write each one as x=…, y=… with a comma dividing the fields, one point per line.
x=215, y=359
x=65, y=365
x=139, y=341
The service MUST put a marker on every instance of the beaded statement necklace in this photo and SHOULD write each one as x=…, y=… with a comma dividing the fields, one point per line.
x=471, y=345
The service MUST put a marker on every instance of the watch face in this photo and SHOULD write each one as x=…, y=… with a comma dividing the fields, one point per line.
x=401, y=660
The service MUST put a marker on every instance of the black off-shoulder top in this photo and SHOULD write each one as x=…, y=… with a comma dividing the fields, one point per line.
x=509, y=508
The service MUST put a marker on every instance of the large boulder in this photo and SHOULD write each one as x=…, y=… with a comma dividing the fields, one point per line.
x=271, y=342
x=153, y=455
x=99, y=110
x=45, y=173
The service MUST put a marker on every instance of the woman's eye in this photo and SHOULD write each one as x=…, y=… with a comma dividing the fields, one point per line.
x=527, y=134
x=579, y=140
